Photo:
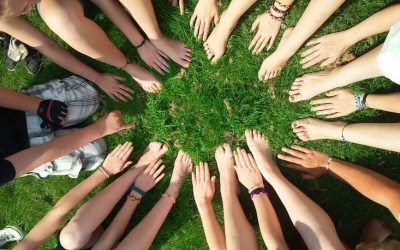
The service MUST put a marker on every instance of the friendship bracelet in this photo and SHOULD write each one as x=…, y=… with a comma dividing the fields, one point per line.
x=364, y=101
x=253, y=188
x=259, y=194
x=257, y=191
x=273, y=16
x=104, y=171
x=137, y=190
x=283, y=12
x=343, y=139
x=126, y=64
x=134, y=198
x=328, y=164
x=358, y=100
x=286, y=6
x=171, y=197
x=141, y=44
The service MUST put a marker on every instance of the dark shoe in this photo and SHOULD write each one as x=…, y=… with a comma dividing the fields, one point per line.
x=10, y=63
x=33, y=62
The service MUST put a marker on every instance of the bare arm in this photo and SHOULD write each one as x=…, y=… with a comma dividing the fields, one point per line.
x=212, y=229
x=28, y=159
x=14, y=100
x=52, y=220
x=385, y=102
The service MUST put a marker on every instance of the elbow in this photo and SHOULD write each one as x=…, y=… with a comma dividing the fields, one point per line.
x=71, y=237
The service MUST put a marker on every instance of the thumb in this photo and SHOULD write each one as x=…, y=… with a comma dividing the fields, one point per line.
x=119, y=78
x=127, y=126
x=126, y=165
x=216, y=19
x=255, y=24
x=333, y=93
x=182, y=6
x=213, y=179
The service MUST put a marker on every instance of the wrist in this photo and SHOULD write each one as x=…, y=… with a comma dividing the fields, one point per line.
x=203, y=204
x=349, y=37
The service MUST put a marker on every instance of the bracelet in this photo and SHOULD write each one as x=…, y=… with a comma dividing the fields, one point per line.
x=141, y=44
x=364, y=101
x=279, y=18
x=104, y=171
x=328, y=164
x=286, y=6
x=137, y=190
x=343, y=139
x=358, y=100
x=171, y=197
x=126, y=64
x=283, y=12
x=133, y=198
x=259, y=194
x=253, y=188
x=257, y=191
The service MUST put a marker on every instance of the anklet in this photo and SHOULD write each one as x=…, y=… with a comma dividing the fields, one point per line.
x=171, y=197
x=141, y=44
x=104, y=171
x=343, y=139
x=328, y=165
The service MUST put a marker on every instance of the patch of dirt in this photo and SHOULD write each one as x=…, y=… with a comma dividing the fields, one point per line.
x=180, y=74
x=172, y=110
x=177, y=144
x=347, y=57
x=271, y=89
x=229, y=137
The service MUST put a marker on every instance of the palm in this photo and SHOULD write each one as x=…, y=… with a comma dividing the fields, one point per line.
x=116, y=161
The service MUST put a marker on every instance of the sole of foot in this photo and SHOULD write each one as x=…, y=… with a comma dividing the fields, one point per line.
x=177, y=51
x=153, y=152
x=310, y=85
x=215, y=45
x=259, y=148
x=146, y=80
x=312, y=129
x=272, y=65
x=182, y=167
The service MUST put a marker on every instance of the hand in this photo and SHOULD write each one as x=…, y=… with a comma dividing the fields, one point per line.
x=204, y=13
x=246, y=168
x=181, y=5
x=115, y=161
x=112, y=123
x=150, y=176
x=153, y=57
x=338, y=103
x=114, y=89
x=312, y=164
x=327, y=49
x=203, y=185
x=268, y=29
x=53, y=114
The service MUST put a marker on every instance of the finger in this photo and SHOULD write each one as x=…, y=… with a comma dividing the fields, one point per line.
x=322, y=107
x=241, y=158
x=309, y=51
x=255, y=24
x=302, y=149
x=125, y=88
x=119, y=78
x=326, y=112
x=206, y=173
x=321, y=101
x=162, y=60
x=262, y=45
x=258, y=44
x=294, y=153
x=124, y=93
x=154, y=167
x=158, y=68
x=201, y=172
x=159, y=178
x=253, y=162
x=289, y=159
x=334, y=93
x=126, y=165
x=192, y=19
x=254, y=41
x=206, y=30
x=246, y=158
x=237, y=161
x=213, y=179
x=193, y=181
x=182, y=6
x=201, y=30
x=111, y=95
x=161, y=66
x=198, y=174
x=314, y=41
x=314, y=61
x=216, y=19
x=197, y=27
x=292, y=166
x=334, y=115
x=127, y=151
x=115, y=150
x=309, y=57
x=328, y=61
x=122, y=149
x=158, y=171
x=127, y=126
x=271, y=41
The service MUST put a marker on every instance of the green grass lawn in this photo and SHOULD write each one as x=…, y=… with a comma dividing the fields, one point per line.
x=208, y=105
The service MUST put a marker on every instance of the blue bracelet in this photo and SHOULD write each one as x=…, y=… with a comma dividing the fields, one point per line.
x=138, y=190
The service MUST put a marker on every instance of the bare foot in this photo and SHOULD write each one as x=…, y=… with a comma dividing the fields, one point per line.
x=272, y=65
x=182, y=167
x=228, y=179
x=310, y=85
x=144, y=78
x=216, y=43
x=375, y=231
x=259, y=147
x=176, y=50
x=153, y=152
x=312, y=129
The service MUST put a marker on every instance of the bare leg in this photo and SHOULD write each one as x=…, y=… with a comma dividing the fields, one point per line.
x=67, y=20
x=310, y=85
x=142, y=11
x=316, y=13
x=375, y=231
x=238, y=232
x=144, y=233
x=216, y=43
x=310, y=220
x=379, y=135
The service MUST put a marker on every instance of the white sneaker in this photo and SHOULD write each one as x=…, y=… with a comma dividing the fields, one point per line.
x=9, y=234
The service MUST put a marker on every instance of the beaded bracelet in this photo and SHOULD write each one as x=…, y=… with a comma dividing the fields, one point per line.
x=283, y=12
x=357, y=100
x=286, y=6
x=133, y=198
x=328, y=164
x=364, y=101
x=273, y=16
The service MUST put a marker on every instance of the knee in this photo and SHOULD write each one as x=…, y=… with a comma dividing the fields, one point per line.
x=72, y=238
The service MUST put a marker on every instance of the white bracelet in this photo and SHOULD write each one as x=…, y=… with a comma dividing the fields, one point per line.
x=104, y=171
x=328, y=165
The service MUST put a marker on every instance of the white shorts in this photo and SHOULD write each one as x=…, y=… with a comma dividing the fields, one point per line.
x=389, y=56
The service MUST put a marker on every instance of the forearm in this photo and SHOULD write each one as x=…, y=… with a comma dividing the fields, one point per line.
x=14, y=100
x=28, y=159
x=385, y=102
x=310, y=220
x=269, y=224
x=117, y=227
x=379, y=135
x=375, y=24
x=372, y=185
x=86, y=220
x=121, y=19
x=52, y=220
x=214, y=235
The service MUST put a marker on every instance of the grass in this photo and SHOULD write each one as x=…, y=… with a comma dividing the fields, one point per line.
x=208, y=105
